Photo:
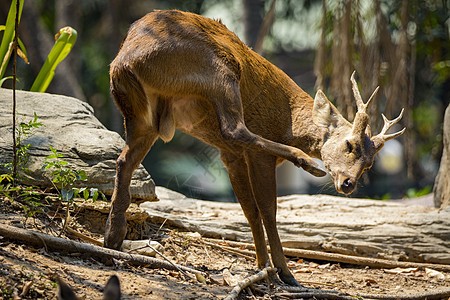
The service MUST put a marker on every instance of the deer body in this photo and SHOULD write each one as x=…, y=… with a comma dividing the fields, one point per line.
x=181, y=70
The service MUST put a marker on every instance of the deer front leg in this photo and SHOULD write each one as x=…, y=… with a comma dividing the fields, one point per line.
x=263, y=183
x=139, y=140
x=238, y=173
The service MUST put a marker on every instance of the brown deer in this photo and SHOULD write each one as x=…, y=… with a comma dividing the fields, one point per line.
x=181, y=70
x=111, y=290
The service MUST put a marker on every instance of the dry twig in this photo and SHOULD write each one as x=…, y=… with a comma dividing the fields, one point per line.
x=265, y=273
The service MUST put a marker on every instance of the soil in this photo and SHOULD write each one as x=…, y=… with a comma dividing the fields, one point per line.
x=27, y=272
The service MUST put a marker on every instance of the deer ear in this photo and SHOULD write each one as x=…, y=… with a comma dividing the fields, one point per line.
x=324, y=113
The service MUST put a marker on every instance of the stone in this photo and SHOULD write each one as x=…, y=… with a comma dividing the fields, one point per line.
x=370, y=228
x=71, y=128
x=441, y=188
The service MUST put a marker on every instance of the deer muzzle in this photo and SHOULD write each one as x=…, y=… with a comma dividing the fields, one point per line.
x=345, y=185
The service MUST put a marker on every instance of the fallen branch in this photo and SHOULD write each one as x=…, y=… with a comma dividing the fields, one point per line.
x=83, y=237
x=314, y=295
x=362, y=261
x=443, y=294
x=239, y=252
x=348, y=259
x=263, y=274
x=40, y=239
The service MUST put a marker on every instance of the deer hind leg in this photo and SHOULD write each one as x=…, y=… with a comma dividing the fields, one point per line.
x=228, y=107
x=238, y=173
x=262, y=176
x=140, y=136
x=139, y=139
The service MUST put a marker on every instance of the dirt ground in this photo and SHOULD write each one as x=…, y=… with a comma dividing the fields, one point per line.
x=27, y=272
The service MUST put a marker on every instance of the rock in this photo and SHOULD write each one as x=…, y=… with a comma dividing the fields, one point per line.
x=72, y=129
x=442, y=183
x=142, y=247
x=361, y=227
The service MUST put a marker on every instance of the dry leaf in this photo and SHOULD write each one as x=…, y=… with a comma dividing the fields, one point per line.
x=303, y=270
x=370, y=281
x=231, y=279
x=401, y=270
x=434, y=274
x=200, y=278
x=325, y=266
x=217, y=279
x=26, y=288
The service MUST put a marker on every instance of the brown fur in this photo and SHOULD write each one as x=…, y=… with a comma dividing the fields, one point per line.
x=181, y=70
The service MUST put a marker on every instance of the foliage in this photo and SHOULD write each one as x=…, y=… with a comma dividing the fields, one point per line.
x=24, y=130
x=29, y=199
x=414, y=193
x=64, y=179
x=65, y=39
x=6, y=47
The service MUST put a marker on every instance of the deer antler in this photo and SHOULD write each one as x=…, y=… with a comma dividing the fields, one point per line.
x=362, y=118
x=382, y=137
x=362, y=107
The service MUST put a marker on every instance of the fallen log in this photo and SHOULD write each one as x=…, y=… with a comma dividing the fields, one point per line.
x=40, y=239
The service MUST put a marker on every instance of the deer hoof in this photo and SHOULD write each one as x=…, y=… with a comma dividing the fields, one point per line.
x=116, y=230
x=312, y=167
x=289, y=279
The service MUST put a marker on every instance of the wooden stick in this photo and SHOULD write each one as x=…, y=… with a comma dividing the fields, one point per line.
x=244, y=253
x=263, y=274
x=40, y=239
x=442, y=294
x=83, y=237
x=348, y=259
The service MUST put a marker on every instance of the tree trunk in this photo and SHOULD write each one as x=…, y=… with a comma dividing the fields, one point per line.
x=252, y=20
x=442, y=184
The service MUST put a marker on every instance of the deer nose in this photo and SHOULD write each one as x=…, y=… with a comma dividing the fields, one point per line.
x=347, y=186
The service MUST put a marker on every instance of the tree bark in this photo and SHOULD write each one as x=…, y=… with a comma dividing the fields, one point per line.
x=442, y=184
x=252, y=20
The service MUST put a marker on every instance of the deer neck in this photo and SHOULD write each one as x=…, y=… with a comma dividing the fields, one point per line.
x=306, y=135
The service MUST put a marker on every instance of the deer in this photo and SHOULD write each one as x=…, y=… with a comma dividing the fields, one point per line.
x=181, y=70
x=111, y=291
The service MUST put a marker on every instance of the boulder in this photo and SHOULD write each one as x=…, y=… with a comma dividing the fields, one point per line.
x=71, y=128
x=442, y=183
x=361, y=227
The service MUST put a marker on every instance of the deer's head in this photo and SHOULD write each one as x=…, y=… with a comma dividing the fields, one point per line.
x=349, y=149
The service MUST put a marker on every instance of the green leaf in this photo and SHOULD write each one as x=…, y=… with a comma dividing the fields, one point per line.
x=85, y=194
x=67, y=195
x=95, y=196
x=8, y=35
x=4, y=79
x=66, y=38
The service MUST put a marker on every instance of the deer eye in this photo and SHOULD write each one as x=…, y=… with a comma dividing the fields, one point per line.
x=349, y=147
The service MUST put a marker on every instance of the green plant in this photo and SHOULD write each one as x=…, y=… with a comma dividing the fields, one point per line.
x=64, y=178
x=65, y=39
x=29, y=199
x=24, y=130
x=415, y=193
x=6, y=47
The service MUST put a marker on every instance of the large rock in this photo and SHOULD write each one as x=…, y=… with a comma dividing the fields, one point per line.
x=442, y=183
x=361, y=227
x=72, y=129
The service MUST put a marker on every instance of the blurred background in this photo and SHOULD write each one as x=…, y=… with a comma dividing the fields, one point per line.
x=403, y=46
